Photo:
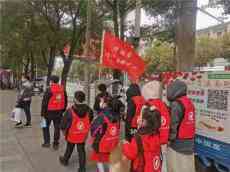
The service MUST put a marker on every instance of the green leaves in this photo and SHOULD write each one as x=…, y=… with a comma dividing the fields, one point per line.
x=160, y=57
x=208, y=48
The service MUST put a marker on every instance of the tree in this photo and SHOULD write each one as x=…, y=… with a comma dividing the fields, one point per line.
x=179, y=17
x=21, y=36
x=225, y=46
x=159, y=57
x=207, y=49
x=66, y=21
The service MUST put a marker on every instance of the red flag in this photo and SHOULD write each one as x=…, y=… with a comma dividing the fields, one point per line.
x=118, y=54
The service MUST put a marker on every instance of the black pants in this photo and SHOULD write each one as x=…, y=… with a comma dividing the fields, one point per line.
x=81, y=153
x=46, y=131
x=26, y=108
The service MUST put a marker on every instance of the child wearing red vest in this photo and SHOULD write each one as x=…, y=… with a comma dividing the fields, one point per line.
x=76, y=125
x=105, y=132
x=134, y=105
x=144, y=149
x=152, y=93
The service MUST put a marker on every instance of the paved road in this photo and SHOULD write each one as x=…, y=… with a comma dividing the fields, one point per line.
x=20, y=149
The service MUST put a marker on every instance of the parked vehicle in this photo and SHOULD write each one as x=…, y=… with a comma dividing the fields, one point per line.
x=6, y=79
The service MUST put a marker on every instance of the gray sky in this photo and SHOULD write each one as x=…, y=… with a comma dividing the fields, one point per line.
x=204, y=20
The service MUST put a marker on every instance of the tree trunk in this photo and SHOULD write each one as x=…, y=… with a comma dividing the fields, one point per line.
x=122, y=27
x=185, y=34
x=115, y=18
x=51, y=63
x=26, y=68
x=32, y=66
x=65, y=71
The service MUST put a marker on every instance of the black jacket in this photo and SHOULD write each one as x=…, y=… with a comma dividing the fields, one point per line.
x=26, y=92
x=174, y=91
x=132, y=91
x=96, y=106
x=99, y=126
x=45, y=101
x=81, y=110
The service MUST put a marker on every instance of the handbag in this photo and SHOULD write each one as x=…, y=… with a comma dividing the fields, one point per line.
x=16, y=114
x=43, y=123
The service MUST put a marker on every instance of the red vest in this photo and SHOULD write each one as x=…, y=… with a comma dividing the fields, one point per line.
x=139, y=101
x=152, y=158
x=57, y=101
x=165, y=118
x=111, y=137
x=187, y=125
x=79, y=129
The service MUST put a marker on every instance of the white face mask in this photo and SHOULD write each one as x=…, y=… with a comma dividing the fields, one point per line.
x=102, y=103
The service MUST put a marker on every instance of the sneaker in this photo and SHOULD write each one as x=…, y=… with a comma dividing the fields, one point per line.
x=45, y=145
x=28, y=125
x=55, y=146
x=63, y=161
x=18, y=125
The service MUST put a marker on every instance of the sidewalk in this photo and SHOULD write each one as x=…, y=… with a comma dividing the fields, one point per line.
x=20, y=149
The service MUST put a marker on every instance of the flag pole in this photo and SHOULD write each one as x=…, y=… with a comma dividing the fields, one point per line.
x=102, y=52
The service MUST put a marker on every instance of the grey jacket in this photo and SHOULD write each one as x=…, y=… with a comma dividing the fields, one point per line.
x=26, y=91
x=174, y=91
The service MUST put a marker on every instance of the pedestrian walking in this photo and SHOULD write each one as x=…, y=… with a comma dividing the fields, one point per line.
x=144, y=150
x=75, y=125
x=24, y=99
x=152, y=93
x=180, y=155
x=53, y=105
x=105, y=132
x=134, y=105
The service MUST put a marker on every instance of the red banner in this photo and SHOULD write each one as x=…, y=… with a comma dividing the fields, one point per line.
x=118, y=54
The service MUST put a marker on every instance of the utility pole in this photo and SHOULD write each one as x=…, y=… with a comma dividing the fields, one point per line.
x=86, y=49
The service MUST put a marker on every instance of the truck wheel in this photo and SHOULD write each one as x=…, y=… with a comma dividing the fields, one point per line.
x=200, y=167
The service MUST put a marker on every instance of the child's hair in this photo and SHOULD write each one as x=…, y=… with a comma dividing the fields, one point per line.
x=54, y=79
x=152, y=118
x=102, y=87
x=79, y=96
x=115, y=104
x=26, y=76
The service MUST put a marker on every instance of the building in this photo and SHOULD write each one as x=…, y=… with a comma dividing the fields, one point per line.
x=215, y=31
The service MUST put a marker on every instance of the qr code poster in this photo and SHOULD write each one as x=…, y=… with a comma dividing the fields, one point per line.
x=211, y=97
